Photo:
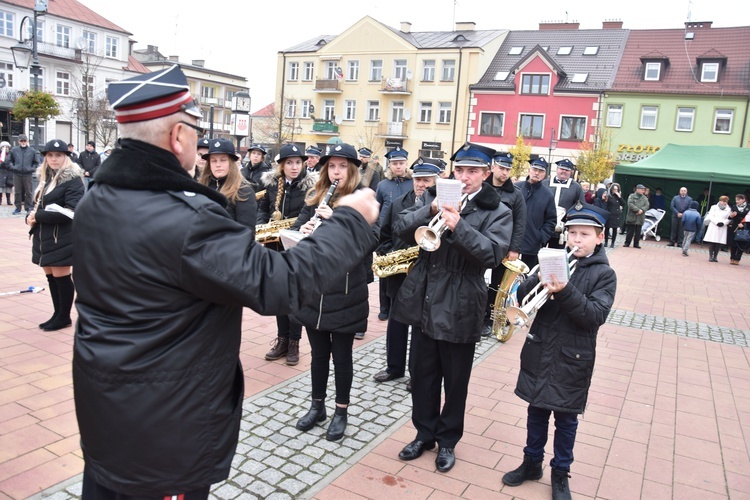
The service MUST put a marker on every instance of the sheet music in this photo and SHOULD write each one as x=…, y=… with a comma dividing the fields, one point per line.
x=54, y=207
x=553, y=261
x=449, y=193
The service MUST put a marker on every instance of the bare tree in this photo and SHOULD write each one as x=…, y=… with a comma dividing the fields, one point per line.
x=96, y=118
x=368, y=137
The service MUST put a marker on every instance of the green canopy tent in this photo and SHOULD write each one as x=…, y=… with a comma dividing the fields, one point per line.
x=723, y=170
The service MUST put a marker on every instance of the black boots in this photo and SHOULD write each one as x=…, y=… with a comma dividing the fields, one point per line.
x=55, y=299
x=560, y=488
x=338, y=425
x=527, y=470
x=65, y=294
x=278, y=349
x=316, y=414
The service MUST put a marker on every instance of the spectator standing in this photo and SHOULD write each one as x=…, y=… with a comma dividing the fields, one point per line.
x=613, y=205
x=6, y=176
x=739, y=210
x=72, y=153
x=637, y=206
x=89, y=160
x=679, y=204
x=691, y=221
x=716, y=232
x=23, y=163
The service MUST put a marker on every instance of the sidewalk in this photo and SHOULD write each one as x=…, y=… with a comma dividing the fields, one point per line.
x=666, y=415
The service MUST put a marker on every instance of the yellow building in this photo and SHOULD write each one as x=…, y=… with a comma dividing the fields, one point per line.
x=380, y=87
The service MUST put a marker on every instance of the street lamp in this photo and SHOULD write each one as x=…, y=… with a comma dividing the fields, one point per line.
x=22, y=56
x=552, y=146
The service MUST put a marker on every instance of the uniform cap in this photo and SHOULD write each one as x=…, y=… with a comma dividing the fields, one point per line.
x=289, y=151
x=503, y=159
x=585, y=214
x=397, y=153
x=203, y=143
x=473, y=155
x=565, y=164
x=257, y=147
x=365, y=152
x=342, y=150
x=539, y=163
x=221, y=146
x=312, y=151
x=427, y=167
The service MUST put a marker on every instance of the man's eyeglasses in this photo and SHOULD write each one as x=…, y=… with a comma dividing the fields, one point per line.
x=199, y=130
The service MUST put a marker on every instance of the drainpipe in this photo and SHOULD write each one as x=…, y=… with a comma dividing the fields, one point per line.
x=281, y=103
x=458, y=87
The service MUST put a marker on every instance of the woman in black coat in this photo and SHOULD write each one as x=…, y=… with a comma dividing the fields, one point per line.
x=6, y=176
x=332, y=318
x=222, y=174
x=286, y=189
x=614, y=203
x=59, y=191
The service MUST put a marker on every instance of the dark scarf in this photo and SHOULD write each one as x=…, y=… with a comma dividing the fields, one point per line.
x=144, y=167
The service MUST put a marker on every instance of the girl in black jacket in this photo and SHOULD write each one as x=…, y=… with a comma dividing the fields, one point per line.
x=223, y=175
x=334, y=317
x=286, y=189
x=61, y=184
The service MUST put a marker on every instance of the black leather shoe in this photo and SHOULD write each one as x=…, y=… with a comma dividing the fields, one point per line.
x=383, y=316
x=487, y=330
x=670, y=244
x=415, y=449
x=408, y=385
x=384, y=376
x=445, y=460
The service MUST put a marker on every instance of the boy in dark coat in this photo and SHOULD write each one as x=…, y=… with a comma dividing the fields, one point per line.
x=557, y=360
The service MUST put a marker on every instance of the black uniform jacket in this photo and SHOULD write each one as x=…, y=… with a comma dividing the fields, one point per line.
x=254, y=173
x=557, y=364
x=390, y=242
x=245, y=209
x=513, y=198
x=162, y=274
x=52, y=235
x=541, y=216
x=292, y=200
x=445, y=293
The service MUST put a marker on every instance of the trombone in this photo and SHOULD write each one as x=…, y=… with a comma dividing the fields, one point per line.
x=428, y=237
x=534, y=300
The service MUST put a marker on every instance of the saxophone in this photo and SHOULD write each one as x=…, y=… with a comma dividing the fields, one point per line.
x=270, y=232
x=396, y=262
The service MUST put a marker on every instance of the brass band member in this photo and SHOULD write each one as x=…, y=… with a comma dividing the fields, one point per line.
x=333, y=317
x=424, y=174
x=566, y=192
x=444, y=297
x=256, y=166
x=285, y=188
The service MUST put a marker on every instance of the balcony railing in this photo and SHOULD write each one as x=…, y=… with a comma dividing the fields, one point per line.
x=325, y=127
x=395, y=86
x=392, y=129
x=8, y=97
x=326, y=85
x=50, y=49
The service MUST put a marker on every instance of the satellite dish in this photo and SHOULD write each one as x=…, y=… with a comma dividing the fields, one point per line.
x=338, y=120
x=407, y=115
x=408, y=74
x=80, y=43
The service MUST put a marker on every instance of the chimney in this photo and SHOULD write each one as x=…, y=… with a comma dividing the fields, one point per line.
x=558, y=25
x=465, y=26
x=405, y=27
x=151, y=49
x=175, y=59
x=612, y=24
x=198, y=62
x=697, y=25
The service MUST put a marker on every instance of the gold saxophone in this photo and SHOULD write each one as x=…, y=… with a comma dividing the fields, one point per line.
x=269, y=233
x=500, y=326
x=398, y=261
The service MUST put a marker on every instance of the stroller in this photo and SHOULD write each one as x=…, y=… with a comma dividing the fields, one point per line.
x=651, y=225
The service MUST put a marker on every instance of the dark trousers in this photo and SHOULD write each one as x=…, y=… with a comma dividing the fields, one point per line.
x=554, y=241
x=396, y=345
x=675, y=235
x=94, y=491
x=537, y=425
x=23, y=184
x=437, y=362
x=385, y=300
x=288, y=328
x=530, y=260
x=610, y=233
x=323, y=345
x=633, y=233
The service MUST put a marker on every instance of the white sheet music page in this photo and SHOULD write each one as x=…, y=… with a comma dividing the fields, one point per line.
x=553, y=261
x=449, y=193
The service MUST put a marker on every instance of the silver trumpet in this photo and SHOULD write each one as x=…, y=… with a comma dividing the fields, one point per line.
x=522, y=316
x=428, y=237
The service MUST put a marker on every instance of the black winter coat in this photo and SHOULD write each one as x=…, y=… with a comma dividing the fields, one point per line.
x=89, y=161
x=254, y=173
x=557, y=364
x=162, y=275
x=52, y=235
x=23, y=161
x=541, y=216
x=292, y=199
x=390, y=242
x=245, y=209
x=445, y=293
x=343, y=306
x=512, y=197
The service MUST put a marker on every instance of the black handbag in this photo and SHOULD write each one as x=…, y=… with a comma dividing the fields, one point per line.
x=742, y=236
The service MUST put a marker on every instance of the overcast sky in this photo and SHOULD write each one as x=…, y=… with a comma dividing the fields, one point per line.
x=243, y=37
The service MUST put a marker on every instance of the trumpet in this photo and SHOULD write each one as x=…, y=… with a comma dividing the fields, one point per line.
x=428, y=237
x=534, y=300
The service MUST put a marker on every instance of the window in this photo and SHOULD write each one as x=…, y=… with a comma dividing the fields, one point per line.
x=207, y=92
x=308, y=71
x=572, y=128
x=591, y=50
x=376, y=70
x=444, y=113
x=399, y=69
x=648, y=117
x=331, y=70
x=62, y=86
x=710, y=72
x=564, y=51
x=491, y=123
x=40, y=79
x=306, y=103
x=328, y=109
x=685, y=117
x=88, y=85
x=428, y=70
x=6, y=71
x=293, y=71
x=535, y=84
x=291, y=108
x=350, y=110
x=352, y=71
x=373, y=111
x=579, y=77
x=514, y=51
x=425, y=112
x=653, y=70
x=62, y=36
x=89, y=41
x=614, y=115
x=112, y=47
x=532, y=126
x=6, y=24
x=501, y=76
x=449, y=70
x=723, y=121
x=39, y=31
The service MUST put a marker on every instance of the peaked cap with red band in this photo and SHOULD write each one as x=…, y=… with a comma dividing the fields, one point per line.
x=152, y=95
